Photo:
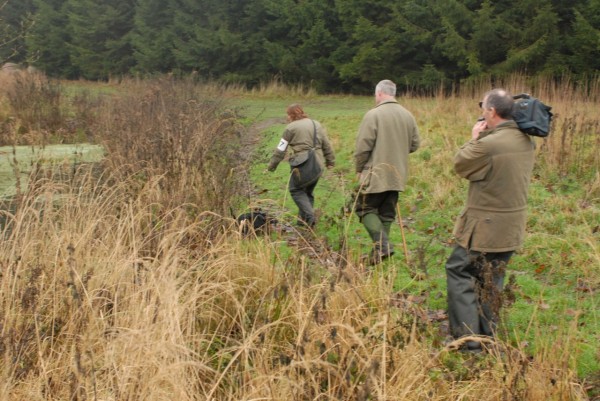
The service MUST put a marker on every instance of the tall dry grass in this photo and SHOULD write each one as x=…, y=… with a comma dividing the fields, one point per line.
x=100, y=300
x=127, y=283
x=569, y=153
x=34, y=111
x=572, y=145
x=173, y=130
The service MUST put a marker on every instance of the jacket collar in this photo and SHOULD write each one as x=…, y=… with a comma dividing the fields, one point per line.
x=386, y=102
x=507, y=124
x=502, y=125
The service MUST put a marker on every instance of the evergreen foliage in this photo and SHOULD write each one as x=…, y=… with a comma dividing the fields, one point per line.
x=152, y=38
x=100, y=42
x=15, y=19
x=47, y=39
x=333, y=45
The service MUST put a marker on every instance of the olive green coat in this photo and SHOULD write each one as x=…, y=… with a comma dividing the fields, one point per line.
x=498, y=166
x=297, y=139
x=387, y=134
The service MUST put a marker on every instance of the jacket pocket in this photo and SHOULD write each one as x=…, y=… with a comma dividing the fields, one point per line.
x=464, y=229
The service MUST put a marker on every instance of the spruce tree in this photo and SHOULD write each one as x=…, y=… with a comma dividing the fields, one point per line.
x=152, y=37
x=15, y=20
x=99, y=32
x=48, y=38
x=584, y=45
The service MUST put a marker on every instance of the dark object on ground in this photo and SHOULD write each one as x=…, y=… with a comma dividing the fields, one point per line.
x=255, y=222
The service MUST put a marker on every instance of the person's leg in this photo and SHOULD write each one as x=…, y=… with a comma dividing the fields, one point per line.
x=374, y=227
x=463, y=308
x=381, y=245
x=387, y=215
x=303, y=198
x=310, y=193
x=491, y=280
x=387, y=227
x=367, y=209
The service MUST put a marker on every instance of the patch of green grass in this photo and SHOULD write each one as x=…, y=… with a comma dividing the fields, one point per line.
x=22, y=158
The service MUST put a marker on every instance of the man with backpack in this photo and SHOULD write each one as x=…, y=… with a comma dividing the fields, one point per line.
x=498, y=162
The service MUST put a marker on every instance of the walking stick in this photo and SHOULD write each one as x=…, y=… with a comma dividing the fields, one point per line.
x=402, y=232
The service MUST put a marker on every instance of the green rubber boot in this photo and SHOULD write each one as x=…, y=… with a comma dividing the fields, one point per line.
x=387, y=225
x=374, y=226
x=379, y=234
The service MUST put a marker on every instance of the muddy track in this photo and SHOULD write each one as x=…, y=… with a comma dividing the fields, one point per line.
x=250, y=138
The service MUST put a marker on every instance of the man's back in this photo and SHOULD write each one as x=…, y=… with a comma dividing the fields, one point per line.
x=387, y=134
x=499, y=168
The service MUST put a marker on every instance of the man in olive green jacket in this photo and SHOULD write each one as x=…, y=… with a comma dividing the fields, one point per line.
x=498, y=162
x=387, y=134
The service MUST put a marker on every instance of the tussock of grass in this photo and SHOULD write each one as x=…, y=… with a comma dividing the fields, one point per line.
x=36, y=113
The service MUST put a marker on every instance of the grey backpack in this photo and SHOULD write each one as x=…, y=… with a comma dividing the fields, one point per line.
x=531, y=115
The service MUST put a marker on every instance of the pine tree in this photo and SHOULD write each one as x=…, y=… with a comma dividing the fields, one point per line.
x=152, y=37
x=15, y=20
x=48, y=38
x=584, y=45
x=194, y=36
x=99, y=31
x=298, y=43
x=533, y=37
x=220, y=39
x=392, y=39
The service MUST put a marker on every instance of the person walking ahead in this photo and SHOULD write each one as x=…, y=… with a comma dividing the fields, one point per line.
x=497, y=161
x=298, y=136
x=387, y=134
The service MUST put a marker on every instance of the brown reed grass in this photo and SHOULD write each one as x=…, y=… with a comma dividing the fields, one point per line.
x=169, y=129
x=37, y=112
x=98, y=304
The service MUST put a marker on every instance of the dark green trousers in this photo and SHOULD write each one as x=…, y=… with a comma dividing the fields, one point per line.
x=377, y=212
x=473, y=296
x=382, y=204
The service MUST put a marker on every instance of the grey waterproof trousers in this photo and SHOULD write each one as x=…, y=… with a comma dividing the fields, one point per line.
x=474, y=291
x=305, y=200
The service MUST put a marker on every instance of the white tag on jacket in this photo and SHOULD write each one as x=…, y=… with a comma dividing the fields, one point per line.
x=282, y=145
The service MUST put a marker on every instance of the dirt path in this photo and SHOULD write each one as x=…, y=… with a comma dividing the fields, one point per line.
x=250, y=138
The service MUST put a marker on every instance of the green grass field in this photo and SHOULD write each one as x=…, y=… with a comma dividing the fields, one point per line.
x=557, y=271
x=23, y=157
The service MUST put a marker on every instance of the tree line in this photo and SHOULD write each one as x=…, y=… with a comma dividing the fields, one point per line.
x=332, y=45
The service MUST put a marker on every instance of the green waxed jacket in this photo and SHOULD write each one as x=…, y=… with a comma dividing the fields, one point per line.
x=498, y=166
x=387, y=134
x=298, y=140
